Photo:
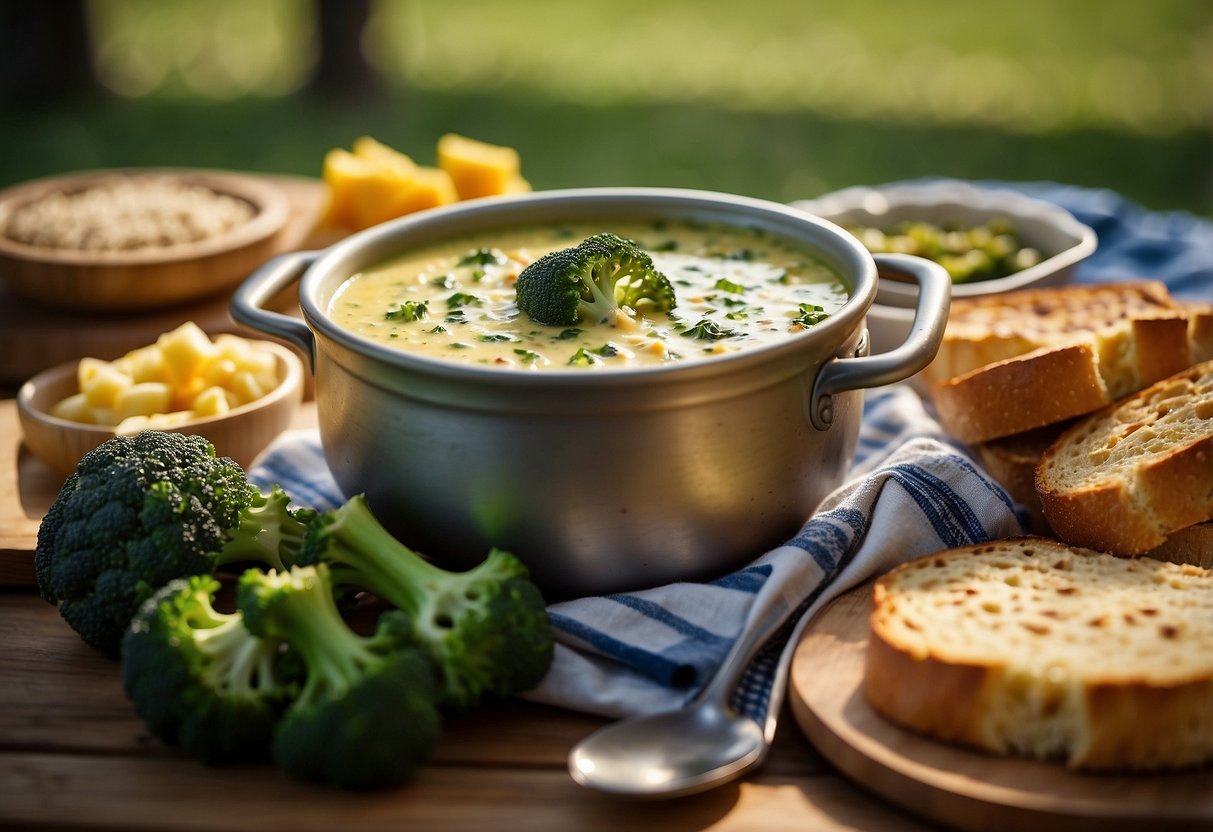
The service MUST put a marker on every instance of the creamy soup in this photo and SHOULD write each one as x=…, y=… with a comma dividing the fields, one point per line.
x=736, y=289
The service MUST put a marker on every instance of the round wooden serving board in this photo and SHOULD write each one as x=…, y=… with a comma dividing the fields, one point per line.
x=955, y=786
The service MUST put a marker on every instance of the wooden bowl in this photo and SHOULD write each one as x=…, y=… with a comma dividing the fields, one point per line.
x=242, y=433
x=141, y=278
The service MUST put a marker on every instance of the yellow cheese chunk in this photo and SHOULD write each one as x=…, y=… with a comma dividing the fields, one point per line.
x=105, y=382
x=478, y=168
x=143, y=399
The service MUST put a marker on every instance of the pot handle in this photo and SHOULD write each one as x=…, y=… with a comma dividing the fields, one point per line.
x=930, y=316
x=248, y=303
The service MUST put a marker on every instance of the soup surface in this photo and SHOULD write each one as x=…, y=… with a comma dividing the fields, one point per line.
x=736, y=289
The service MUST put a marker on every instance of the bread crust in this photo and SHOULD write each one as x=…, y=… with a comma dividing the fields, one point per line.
x=1139, y=712
x=1021, y=393
x=985, y=330
x=1129, y=513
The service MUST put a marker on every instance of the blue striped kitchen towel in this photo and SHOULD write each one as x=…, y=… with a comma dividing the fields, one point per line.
x=912, y=492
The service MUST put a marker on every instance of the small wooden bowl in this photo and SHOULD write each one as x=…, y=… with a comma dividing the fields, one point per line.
x=242, y=433
x=143, y=278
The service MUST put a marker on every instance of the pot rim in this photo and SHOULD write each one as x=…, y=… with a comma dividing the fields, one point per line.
x=845, y=254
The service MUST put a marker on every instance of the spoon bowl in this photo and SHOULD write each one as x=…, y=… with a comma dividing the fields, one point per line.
x=670, y=753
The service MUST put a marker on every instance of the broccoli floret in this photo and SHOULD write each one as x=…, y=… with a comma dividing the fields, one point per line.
x=199, y=679
x=592, y=281
x=367, y=713
x=487, y=628
x=142, y=510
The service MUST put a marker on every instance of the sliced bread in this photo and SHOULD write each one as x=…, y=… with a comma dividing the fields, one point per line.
x=1125, y=478
x=1031, y=648
x=1012, y=460
x=1023, y=360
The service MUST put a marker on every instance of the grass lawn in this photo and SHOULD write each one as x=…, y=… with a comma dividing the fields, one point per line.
x=774, y=98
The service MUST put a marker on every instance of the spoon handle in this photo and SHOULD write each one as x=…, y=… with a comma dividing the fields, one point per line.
x=762, y=622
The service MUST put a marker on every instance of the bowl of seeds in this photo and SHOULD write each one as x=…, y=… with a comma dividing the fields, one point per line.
x=129, y=240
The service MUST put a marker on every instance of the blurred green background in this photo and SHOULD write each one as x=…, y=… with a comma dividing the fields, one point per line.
x=774, y=98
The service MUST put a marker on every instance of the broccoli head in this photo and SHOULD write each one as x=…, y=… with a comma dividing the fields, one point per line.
x=142, y=510
x=199, y=679
x=592, y=281
x=487, y=629
x=367, y=712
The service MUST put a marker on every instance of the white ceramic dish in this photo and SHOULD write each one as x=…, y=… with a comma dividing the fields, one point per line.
x=1062, y=240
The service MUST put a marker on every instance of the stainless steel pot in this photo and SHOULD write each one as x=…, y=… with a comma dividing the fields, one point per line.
x=599, y=481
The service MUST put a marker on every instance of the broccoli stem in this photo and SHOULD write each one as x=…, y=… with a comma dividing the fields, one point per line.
x=267, y=532
x=240, y=661
x=336, y=656
x=369, y=557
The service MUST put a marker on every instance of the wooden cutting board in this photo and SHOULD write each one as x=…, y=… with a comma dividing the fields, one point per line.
x=955, y=786
x=34, y=337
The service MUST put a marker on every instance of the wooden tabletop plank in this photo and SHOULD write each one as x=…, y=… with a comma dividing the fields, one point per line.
x=138, y=793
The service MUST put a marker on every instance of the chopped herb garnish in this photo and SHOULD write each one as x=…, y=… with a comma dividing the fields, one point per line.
x=584, y=358
x=607, y=350
x=482, y=257
x=409, y=310
x=494, y=337
x=438, y=330
x=810, y=314
x=443, y=281
x=726, y=285
x=456, y=317
x=458, y=345
x=708, y=330
x=568, y=334
x=528, y=356
x=461, y=299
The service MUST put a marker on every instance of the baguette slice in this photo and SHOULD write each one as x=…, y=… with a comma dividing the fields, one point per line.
x=1024, y=360
x=1125, y=478
x=1032, y=648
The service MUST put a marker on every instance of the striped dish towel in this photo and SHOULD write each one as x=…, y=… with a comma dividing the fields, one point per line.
x=912, y=492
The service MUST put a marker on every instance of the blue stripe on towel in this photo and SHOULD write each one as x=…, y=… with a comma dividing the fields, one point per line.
x=661, y=615
x=654, y=666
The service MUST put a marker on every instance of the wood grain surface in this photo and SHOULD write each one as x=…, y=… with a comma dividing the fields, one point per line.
x=955, y=786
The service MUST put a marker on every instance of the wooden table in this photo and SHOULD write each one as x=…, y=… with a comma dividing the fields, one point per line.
x=73, y=753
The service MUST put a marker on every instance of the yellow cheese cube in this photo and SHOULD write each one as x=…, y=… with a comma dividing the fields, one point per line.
x=87, y=369
x=259, y=362
x=246, y=387
x=131, y=424
x=143, y=399
x=362, y=190
x=478, y=168
x=185, y=349
x=232, y=347
x=367, y=148
x=104, y=416
x=219, y=372
x=213, y=401
x=74, y=408
x=430, y=188
x=144, y=364
x=160, y=421
x=105, y=382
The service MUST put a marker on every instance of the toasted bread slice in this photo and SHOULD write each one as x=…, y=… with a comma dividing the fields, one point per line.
x=1125, y=478
x=1030, y=359
x=1033, y=648
x=1012, y=462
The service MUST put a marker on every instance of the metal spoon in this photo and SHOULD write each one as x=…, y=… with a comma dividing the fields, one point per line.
x=694, y=748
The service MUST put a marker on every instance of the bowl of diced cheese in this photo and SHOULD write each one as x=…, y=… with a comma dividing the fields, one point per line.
x=237, y=392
